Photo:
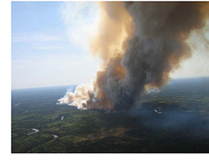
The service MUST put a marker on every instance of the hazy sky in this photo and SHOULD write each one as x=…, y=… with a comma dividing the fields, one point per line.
x=45, y=51
x=49, y=45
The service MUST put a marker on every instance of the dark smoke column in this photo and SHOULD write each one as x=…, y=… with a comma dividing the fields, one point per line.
x=140, y=44
x=158, y=44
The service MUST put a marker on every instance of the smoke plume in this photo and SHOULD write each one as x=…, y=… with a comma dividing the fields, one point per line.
x=140, y=44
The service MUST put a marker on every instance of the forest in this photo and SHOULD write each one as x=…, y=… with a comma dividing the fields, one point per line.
x=172, y=120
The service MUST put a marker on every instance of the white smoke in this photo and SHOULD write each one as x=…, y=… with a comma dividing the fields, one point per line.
x=79, y=97
x=80, y=18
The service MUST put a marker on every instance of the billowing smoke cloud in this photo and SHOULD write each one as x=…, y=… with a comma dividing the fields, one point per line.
x=140, y=44
x=80, y=96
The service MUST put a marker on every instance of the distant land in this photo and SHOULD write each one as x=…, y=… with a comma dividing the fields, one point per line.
x=174, y=120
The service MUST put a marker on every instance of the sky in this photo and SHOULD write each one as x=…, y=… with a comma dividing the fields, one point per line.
x=49, y=45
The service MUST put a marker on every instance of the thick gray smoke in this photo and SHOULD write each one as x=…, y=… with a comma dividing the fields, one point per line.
x=158, y=44
x=140, y=44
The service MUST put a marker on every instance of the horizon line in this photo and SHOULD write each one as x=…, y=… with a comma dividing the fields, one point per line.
x=78, y=84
